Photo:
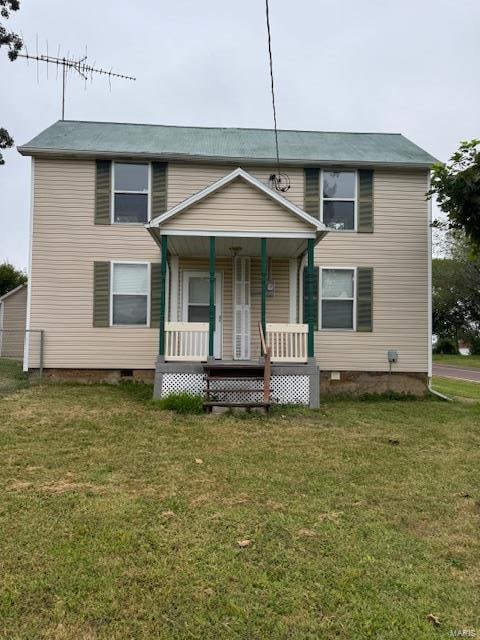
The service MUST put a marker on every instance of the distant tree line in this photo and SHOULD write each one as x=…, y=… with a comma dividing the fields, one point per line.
x=456, y=296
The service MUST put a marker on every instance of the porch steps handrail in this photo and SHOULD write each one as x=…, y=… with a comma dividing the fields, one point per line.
x=288, y=342
x=186, y=341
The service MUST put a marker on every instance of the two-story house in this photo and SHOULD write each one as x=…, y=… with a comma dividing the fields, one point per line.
x=175, y=254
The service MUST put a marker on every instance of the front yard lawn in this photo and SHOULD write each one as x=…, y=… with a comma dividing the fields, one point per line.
x=11, y=376
x=464, y=362
x=119, y=520
x=462, y=389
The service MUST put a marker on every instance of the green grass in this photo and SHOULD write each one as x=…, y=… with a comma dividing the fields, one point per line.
x=182, y=403
x=465, y=362
x=457, y=388
x=119, y=520
x=11, y=376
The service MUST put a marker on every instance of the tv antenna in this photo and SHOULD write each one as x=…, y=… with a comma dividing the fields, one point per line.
x=67, y=63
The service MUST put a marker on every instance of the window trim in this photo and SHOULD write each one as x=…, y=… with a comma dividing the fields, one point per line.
x=148, y=294
x=354, y=199
x=321, y=298
x=113, y=191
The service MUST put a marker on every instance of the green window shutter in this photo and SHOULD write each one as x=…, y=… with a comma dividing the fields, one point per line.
x=159, y=188
x=315, y=297
x=365, y=201
x=155, y=294
x=103, y=191
x=364, y=299
x=312, y=191
x=101, y=294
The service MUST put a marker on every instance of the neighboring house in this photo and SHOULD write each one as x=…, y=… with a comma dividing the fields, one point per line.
x=108, y=197
x=13, y=315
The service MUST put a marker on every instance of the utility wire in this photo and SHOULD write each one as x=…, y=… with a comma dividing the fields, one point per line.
x=267, y=12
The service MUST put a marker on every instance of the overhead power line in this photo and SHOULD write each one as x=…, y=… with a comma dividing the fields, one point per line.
x=281, y=181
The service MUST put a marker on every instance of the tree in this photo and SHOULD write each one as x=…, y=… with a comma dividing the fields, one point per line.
x=10, y=277
x=456, y=291
x=14, y=43
x=457, y=188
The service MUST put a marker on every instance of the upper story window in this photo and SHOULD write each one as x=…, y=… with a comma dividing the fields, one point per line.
x=131, y=184
x=338, y=298
x=339, y=199
x=130, y=287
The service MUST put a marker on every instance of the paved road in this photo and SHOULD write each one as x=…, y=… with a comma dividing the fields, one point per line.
x=447, y=371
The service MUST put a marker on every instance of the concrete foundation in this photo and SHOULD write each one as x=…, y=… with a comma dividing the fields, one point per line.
x=347, y=383
x=353, y=383
x=99, y=375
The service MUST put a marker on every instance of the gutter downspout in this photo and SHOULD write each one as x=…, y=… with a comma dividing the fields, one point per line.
x=429, y=283
x=438, y=394
x=26, y=338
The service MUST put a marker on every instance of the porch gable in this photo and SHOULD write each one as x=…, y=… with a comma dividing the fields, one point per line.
x=238, y=203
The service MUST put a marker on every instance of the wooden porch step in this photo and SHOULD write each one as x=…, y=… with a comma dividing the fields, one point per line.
x=253, y=372
x=210, y=391
x=248, y=405
x=233, y=377
x=238, y=364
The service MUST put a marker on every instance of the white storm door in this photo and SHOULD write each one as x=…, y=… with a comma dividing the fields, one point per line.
x=196, y=303
x=241, y=308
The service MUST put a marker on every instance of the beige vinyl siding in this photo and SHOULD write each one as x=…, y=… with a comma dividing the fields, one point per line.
x=277, y=305
x=185, y=179
x=13, y=314
x=66, y=242
x=237, y=207
x=397, y=251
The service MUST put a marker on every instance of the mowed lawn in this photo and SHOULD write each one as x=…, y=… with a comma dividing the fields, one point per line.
x=464, y=362
x=119, y=520
x=460, y=389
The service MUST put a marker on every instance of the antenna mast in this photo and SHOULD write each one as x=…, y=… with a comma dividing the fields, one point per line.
x=79, y=65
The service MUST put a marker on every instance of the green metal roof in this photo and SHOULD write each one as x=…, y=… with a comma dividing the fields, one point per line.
x=216, y=143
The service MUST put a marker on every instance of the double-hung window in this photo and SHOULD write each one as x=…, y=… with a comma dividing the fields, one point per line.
x=131, y=184
x=339, y=195
x=338, y=298
x=130, y=297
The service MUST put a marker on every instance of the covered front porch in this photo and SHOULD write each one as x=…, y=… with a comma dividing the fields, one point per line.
x=238, y=298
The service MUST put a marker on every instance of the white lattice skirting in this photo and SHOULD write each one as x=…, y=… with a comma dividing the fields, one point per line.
x=284, y=389
x=182, y=383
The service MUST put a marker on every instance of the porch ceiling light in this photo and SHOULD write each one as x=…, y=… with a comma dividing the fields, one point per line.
x=235, y=250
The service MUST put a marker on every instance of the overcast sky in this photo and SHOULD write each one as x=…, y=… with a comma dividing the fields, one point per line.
x=409, y=66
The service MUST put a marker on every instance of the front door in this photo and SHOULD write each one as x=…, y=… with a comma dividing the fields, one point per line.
x=196, y=302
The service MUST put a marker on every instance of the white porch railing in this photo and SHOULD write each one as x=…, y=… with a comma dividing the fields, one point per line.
x=288, y=342
x=186, y=341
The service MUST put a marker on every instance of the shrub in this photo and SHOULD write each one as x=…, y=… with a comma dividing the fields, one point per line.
x=182, y=403
x=475, y=346
x=446, y=346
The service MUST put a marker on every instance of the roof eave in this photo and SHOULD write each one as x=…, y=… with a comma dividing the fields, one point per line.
x=12, y=291
x=36, y=151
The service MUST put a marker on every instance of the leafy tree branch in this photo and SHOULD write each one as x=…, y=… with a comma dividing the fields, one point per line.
x=457, y=188
x=14, y=43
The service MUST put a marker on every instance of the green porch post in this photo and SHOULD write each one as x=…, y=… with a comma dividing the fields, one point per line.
x=211, y=312
x=163, y=288
x=263, y=262
x=310, y=313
